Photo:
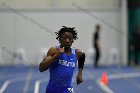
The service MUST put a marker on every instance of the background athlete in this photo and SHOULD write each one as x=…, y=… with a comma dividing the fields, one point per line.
x=61, y=62
x=96, y=45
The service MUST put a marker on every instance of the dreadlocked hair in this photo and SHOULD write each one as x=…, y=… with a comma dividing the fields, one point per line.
x=66, y=29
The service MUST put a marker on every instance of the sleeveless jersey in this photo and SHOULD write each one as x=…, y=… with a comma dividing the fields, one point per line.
x=61, y=72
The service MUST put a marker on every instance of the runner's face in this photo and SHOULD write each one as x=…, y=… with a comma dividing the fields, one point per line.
x=66, y=39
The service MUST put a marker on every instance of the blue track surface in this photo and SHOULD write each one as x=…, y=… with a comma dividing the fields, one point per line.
x=23, y=79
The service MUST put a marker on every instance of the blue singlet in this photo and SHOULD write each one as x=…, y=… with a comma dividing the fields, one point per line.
x=61, y=72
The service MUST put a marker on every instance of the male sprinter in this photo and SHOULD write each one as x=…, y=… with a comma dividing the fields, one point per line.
x=61, y=62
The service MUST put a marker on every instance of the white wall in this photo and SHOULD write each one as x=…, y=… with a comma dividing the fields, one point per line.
x=28, y=30
x=61, y=4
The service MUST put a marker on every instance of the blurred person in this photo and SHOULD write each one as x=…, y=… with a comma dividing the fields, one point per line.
x=136, y=43
x=96, y=45
x=61, y=61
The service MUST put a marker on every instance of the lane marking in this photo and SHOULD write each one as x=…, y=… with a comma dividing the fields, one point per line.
x=36, y=88
x=29, y=77
x=106, y=89
x=5, y=85
x=7, y=82
x=124, y=75
x=37, y=84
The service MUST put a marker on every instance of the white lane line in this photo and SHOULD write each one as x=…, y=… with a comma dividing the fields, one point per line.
x=102, y=86
x=5, y=85
x=127, y=77
x=124, y=75
x=29, y=77
x=37, y=84
x=7, y=82
x=105, y=88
